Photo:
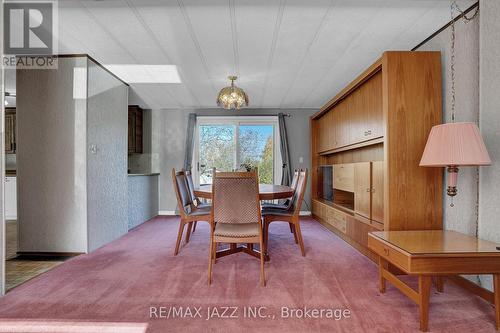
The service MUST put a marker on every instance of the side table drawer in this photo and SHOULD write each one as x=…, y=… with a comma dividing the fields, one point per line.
x=389, y=253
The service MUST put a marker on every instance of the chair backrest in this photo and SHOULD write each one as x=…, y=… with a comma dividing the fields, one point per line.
x=189, y=179
x=295, y=179
x=298, y=196
x=289, y=202
x=235, y=197
x=182, y=192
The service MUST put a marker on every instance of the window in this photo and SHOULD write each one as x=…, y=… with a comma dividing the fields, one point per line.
x=229, y=143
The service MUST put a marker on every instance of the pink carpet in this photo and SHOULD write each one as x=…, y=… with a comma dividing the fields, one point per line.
x=118, y=283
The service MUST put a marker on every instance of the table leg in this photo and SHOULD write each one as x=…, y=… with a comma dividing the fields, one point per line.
x=439, y=282
x=382, y=265
x=496, y=285
x=424, y=291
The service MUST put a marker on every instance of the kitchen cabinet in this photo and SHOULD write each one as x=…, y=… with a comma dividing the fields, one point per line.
x=10, y=130
x=135, y=131
x=10, y=198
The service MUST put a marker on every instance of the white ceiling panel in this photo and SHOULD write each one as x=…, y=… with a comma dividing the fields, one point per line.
x=287, y=53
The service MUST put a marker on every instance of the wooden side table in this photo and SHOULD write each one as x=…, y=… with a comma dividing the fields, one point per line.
x=434, y=253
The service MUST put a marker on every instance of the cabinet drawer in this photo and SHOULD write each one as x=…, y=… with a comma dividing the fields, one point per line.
x=343, y=177
x=389, y=253
x=338, y=220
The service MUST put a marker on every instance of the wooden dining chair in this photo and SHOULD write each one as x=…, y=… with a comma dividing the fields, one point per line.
x=235, y=216
x=194, y=198
x=188, y=211
x=286, y=203
x=290, y=215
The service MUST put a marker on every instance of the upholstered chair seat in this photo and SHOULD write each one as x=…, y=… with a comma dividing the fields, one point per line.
x=241, y=230
x=198, y=211
x=277, y=212
x=272, y=205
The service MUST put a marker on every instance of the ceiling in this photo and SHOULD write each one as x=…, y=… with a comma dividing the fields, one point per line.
x=287, y=53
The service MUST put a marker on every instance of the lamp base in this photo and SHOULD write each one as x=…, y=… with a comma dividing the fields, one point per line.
x=452, y=181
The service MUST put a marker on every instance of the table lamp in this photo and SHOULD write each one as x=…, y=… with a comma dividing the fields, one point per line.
x=452, y=145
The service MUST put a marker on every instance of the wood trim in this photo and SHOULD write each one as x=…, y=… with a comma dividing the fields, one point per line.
x=362, y=78
x=445, y=26
x=473, y=288
x=354, y=146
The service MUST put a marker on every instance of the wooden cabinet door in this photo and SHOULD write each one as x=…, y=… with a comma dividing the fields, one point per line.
x=131, y=130
x=356, y=117
x=135, y=129
x=10, y=131
x=374, y=116
x=344, y=123
x=331, y=129
x=343, y=177
x=362, y=189
x=378, y=191
x=138, y=131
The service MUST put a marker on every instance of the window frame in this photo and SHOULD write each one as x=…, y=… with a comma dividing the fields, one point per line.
x=238, y=121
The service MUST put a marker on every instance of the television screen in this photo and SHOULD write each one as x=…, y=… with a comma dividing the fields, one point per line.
x=325, y=186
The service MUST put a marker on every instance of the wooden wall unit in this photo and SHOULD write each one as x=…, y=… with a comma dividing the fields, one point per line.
x=383, y=117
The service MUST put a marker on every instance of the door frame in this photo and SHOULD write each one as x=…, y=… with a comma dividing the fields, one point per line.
x=240, y=120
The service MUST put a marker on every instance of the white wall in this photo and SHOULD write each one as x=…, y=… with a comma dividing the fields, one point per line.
x=107, y=126
x=51, y=163
x=489, y=104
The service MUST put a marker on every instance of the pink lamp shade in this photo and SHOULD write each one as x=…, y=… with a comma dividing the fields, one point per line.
x=455, y=144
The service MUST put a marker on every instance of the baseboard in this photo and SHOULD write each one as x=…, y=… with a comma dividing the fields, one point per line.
x=172, y=212
x=167, y=212
x=473, y=288
x=48, y=254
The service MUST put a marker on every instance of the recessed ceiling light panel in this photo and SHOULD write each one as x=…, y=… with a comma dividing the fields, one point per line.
x=145, y=73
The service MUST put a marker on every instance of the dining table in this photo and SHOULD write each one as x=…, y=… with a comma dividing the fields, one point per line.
x=266, y=192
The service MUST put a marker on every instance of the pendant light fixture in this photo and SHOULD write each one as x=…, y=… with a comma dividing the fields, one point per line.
x=232, y=97
x=455, y=144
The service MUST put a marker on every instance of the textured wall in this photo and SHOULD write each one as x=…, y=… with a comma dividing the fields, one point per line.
x=51, y=166
x=142, y=199
x=169, y=127
x=462, y=217
x=107, y=125
x=489, y=102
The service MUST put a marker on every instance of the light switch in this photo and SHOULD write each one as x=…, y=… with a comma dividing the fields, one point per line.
x=301, y=159
x=93, y=149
